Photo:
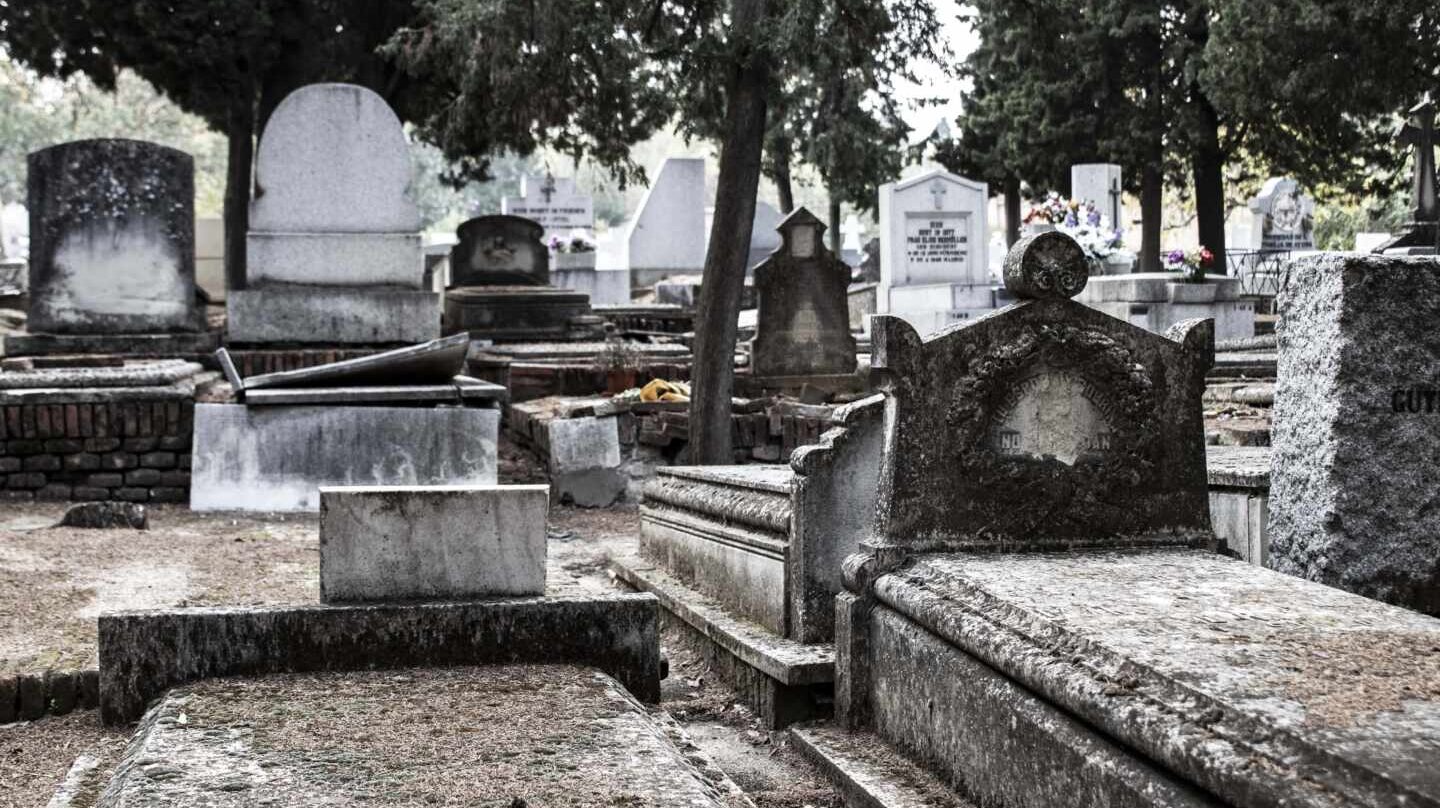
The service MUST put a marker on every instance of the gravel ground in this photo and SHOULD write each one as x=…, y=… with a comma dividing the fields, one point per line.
x=35, y=756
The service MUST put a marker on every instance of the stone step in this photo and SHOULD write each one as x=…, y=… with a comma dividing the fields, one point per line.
x=869, y=773
x=1252, y=394
x=501, y=735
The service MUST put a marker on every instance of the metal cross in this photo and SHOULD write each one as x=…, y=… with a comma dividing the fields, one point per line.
x=938, y=190
x=1420, y=133
x=547, y=189
x=1114, y=202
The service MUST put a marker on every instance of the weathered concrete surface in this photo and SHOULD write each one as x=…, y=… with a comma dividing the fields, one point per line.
x=142, y=654
x=584, y=461
x=1097, y=422
x=276, y=458
x=1258, y=687
x=155, y=345
x=463, y=390
x=331, y=315
x=1357, y=427
x=1239, y=479
x=473, y=736
x=417, y=542
x=869, y=772
x=136, y=374
x=434, y=362
x=335, y=259
x=803, y=323
x=112, y=238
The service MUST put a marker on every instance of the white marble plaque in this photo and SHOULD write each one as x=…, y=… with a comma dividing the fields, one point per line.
x=1052, y=413
x=936, y=247
x=555, y=203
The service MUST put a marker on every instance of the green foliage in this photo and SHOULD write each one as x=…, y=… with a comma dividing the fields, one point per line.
x=1337, y=224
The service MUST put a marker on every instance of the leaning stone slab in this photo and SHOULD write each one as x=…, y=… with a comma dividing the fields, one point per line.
x=478, y=736
x=143, y=654
x=433, y=362
x=1357, y=427
x=276, y=458
x=462, y=390
x=417, y=542
x=112, y=238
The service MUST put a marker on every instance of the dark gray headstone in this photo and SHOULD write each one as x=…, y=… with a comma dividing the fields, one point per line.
x=112, y=238
x=500, y=251
x=1045, y=422
x=1357, y=427
x=804, y=318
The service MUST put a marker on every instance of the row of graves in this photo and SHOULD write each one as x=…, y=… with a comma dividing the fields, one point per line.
x=998, y=578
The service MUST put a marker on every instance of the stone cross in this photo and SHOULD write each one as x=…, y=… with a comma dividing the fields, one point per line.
x=548, y=189
x=1114, y=202
x=938, y=190
x=1420, y=133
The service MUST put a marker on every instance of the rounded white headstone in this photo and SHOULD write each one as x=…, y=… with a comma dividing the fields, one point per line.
x=333, y=159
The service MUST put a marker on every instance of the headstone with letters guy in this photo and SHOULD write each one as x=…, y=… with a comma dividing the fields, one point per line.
x=934, y=263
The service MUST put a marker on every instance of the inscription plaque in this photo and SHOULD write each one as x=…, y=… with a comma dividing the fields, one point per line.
x=1052, y=413
x=936, y=246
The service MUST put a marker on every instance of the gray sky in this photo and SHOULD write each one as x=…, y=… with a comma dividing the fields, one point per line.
x=933, y=82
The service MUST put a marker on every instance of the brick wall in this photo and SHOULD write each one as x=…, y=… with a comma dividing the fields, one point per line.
x=131, y=450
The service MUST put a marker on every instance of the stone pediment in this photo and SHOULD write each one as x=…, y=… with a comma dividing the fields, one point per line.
x=1044, y=424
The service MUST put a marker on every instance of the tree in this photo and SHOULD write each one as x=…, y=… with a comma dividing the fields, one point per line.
x=230, y=63
x=589, y=81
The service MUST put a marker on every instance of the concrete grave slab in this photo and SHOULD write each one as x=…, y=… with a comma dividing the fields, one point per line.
x=433, y=362
x=423, y=542
x=143, y=654
x=584, y=462
x=331, y=315
x=276, y=458
x=349, y=259
x=461, y=390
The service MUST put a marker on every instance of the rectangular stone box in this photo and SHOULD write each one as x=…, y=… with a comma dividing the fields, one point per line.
x=419, y=542
x=339, y=259
x=143, y=654
x=332, y=315
x=277, y=458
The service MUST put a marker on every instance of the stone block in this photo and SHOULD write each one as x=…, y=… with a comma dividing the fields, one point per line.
x=132, y=494
x=335, y=259
x=30, y=698
x=444, y=542
x=23, y=447
x=42, y=463
x=102, y=444
x=142, y=477
x=1357, y=426
x=9, y=699
x=25, y=480
x=332, y=315
x=584, y=461
x=106, y=480
x=9, y=464
x=85, y=493
x=158, y=460
x=169, y=494
x=63, y=445
x=60, y=692
x=82, y=461
x=112, y=238
x=139, y=445
x=143, y=654
x=275, y=458
x=54, y=492
x=118, y=461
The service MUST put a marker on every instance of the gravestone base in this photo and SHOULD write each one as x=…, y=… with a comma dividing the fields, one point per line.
x=119, y=345
x=1145, y=299
x=520, y=314
x=352, y=259
x=826, y=386
x=331, y=315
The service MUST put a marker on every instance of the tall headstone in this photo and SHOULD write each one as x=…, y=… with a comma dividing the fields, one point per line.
x=1421, y=235
x=804, y=319
x=1357, y=427
x=1099, y=183
x=667, y=235
x=934, y=244
x=112, y=230
x=1286, y=215
x=764, y=233
x=554, y=203
x=334, y=251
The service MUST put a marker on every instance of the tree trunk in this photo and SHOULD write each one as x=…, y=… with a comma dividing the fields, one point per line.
x=240, y=133
x=835, y=234
x=1012, y=211
x=1152, y=202
x=741, y=150
x=783, y=187
x=1207, y=165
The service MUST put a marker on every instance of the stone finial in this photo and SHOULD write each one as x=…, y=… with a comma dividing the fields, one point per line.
x=1046, y=265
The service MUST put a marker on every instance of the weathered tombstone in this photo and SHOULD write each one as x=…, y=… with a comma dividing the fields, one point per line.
x=112, y=239
x=1356, y=427
x=1286, y=214
x=933, y=261
x=553, y=203
x=334, y=250
x=804, y=324
x=667, y=235
x=500, y=251
x=1043, y=578
x=870, y=264
x=500, y=286
x=1421, y=235
x=1099, y=183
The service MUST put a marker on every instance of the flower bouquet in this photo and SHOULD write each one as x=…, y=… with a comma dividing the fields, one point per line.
x=1081, y=221
x=1190, y=263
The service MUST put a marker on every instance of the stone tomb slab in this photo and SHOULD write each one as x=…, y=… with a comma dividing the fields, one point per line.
x=422, y=542
x=505, y=735
x=332, y=315
x=433, y=362
x=276, y=458
x=1255, y=686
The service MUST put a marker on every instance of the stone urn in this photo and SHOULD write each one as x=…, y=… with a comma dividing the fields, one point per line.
x=1187, y=292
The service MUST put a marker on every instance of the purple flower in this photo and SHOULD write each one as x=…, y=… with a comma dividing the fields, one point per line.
x=1070, y=220
x=1093, y=218
x=1175, y=257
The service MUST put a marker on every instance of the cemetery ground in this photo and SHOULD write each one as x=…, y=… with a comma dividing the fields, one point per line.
x=55, y=580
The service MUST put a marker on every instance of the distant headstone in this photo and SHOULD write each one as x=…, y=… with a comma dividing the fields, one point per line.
x=1357, y=427
x=934, y=262
x=1288, y=215
x=500, y=251
x=555, y=203
x=870, y=264
x=333, y=230
x=210, y=256
x=1421, y=235
x=112, y=229
x=804, y=318
x=1099, y=183
x=667, y=235
x=764, y=233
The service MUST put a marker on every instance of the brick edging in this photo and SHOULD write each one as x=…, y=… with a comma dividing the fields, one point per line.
x=28, y=696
